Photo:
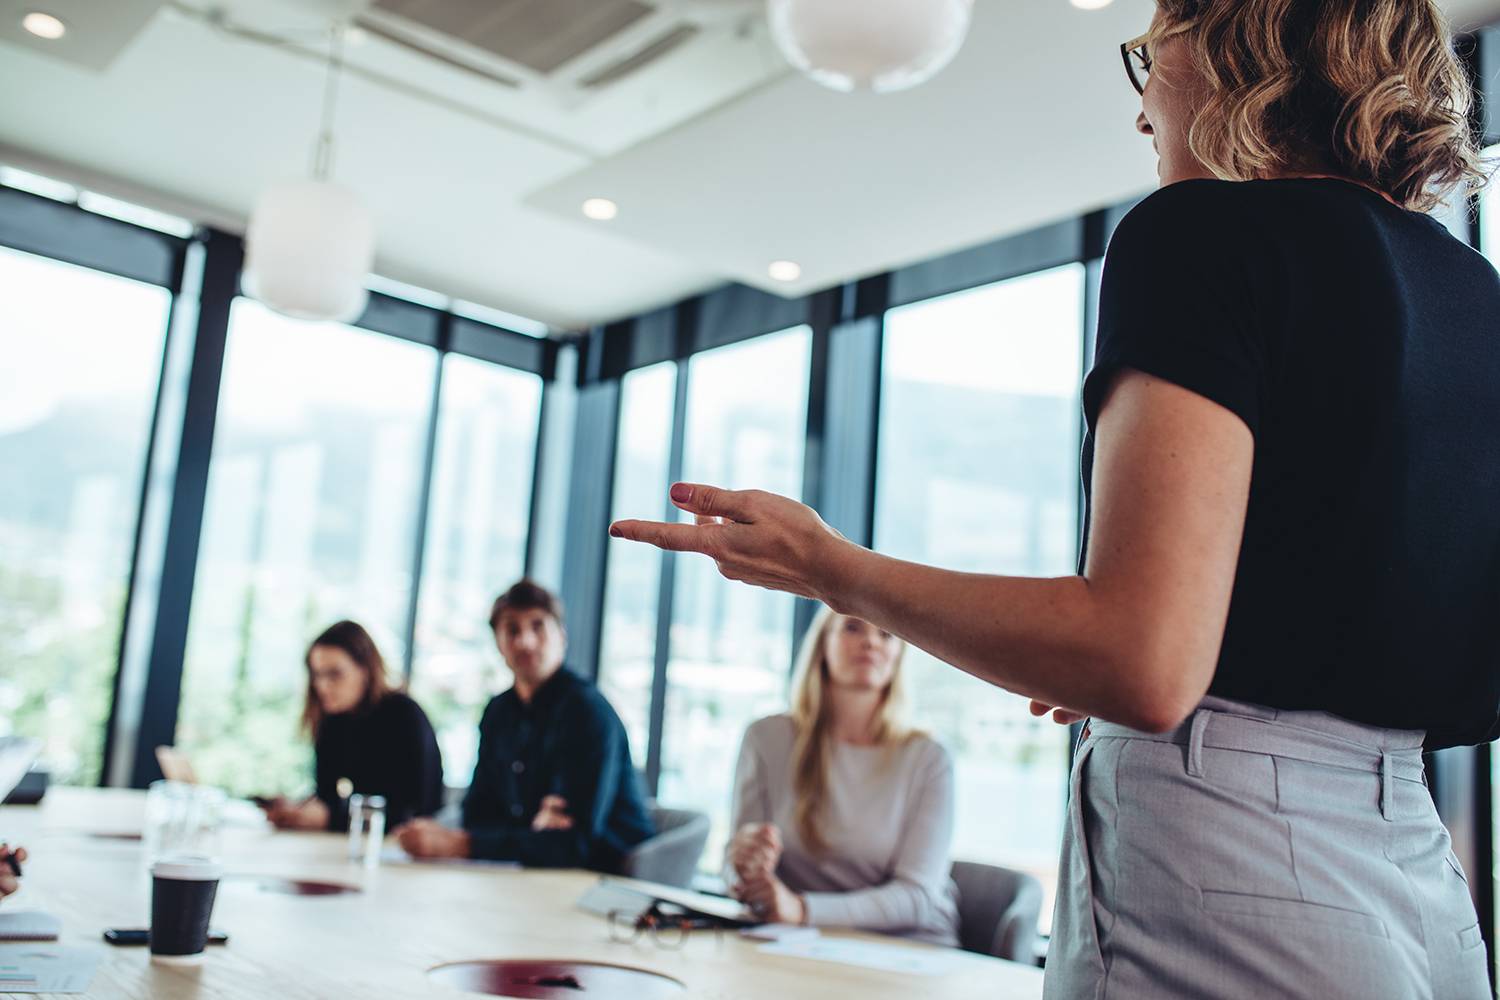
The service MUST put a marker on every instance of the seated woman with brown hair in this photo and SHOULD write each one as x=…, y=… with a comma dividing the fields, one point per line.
x=365, y=731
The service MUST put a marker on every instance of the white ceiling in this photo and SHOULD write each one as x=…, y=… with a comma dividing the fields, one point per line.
x=721, y=164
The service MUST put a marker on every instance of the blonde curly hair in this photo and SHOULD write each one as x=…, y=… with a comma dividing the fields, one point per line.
x=1370, y=90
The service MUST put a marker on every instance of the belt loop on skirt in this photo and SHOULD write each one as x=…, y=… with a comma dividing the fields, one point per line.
x=1387, y=787
x=1195, y=742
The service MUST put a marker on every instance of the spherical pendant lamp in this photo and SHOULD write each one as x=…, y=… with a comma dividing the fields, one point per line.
x=879, y=45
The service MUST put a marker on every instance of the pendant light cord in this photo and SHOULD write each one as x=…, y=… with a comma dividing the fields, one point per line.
x=323, y=151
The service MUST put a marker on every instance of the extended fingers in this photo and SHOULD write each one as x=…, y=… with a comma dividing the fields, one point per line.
x=672, y=537
x=711, y=501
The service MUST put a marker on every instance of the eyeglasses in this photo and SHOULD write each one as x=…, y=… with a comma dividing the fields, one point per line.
x=666, y=929
x=1137, y=56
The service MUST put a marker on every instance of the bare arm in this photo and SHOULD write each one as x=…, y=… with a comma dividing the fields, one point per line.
x=1134, y=639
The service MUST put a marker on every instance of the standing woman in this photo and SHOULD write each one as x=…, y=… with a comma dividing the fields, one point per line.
x=1293, y=553
x=363, y=730
x=843, y=815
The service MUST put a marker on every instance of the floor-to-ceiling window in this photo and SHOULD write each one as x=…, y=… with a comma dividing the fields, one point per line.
x=310, y=517
x=475, y=546
x=83, y=359
x=627, y=647
x=978, y=471
x=731, y=645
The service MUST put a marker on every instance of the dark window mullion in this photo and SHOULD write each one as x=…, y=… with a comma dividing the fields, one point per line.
x=164, y=385
x=424, y=496
x=667, y=585
x=168, y=647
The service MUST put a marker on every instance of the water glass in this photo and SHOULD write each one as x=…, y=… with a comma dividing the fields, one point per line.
x=182, y=819
x=366, y=828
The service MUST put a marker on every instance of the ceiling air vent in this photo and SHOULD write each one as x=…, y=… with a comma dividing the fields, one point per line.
x=568, y=54
x=540, y=35
x=653, y=51
x=584, y=45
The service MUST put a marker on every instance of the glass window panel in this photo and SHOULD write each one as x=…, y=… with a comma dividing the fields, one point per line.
x=475, y=546
x=311, y=507
x=978, y=471
x=627, y=655
x=83, y=356
x=731, y=644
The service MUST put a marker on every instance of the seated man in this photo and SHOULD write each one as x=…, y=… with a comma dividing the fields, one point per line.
x=553, y=786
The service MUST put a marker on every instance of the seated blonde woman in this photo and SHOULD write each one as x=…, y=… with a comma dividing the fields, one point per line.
x=844, y=815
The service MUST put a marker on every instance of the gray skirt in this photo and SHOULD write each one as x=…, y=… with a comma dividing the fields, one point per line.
x=1259, y=853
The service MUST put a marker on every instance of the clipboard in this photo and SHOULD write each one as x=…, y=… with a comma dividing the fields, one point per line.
x=613, y=894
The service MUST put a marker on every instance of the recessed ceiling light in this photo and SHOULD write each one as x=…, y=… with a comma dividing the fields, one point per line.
x=784, y=270
x=44, y=25
x=1091, y=4
x=601, y=209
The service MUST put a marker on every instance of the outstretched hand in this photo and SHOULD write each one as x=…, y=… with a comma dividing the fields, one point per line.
x=754, y=537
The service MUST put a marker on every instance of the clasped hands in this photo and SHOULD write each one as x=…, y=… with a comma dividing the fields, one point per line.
x=427, y=838
x=754, y=854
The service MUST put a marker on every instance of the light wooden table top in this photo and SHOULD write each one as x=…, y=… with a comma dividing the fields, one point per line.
x=407, y=919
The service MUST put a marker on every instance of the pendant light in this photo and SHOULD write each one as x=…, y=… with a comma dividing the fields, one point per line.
x=311, y=242
x=878, y=45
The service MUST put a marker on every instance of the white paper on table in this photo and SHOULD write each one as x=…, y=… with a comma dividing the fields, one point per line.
x=393, y=854
x=46, y=968
x=866, y=955
x=780, y=933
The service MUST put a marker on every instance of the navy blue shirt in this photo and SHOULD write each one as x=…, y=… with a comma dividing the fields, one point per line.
x=568, y=741
x=1360, y=344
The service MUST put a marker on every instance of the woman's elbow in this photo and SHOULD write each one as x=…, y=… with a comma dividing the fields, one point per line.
x=1156, y=717
x=1161, y=693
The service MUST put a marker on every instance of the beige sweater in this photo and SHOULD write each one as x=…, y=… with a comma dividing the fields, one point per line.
x=888, y=823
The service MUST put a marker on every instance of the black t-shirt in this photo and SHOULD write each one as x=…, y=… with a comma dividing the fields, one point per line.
x=1361, y=345
x=387, y=749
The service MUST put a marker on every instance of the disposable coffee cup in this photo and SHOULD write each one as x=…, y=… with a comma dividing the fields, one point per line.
x=182, y=900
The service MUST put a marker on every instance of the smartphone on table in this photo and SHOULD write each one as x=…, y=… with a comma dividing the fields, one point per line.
x=140, y=935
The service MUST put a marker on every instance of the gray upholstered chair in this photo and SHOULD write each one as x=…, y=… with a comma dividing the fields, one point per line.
x=997, y=911
x=670, y=857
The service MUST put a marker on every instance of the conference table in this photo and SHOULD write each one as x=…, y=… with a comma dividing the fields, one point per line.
x=87, y=868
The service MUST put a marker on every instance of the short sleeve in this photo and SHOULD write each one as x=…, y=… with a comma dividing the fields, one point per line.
x=1178, y=302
